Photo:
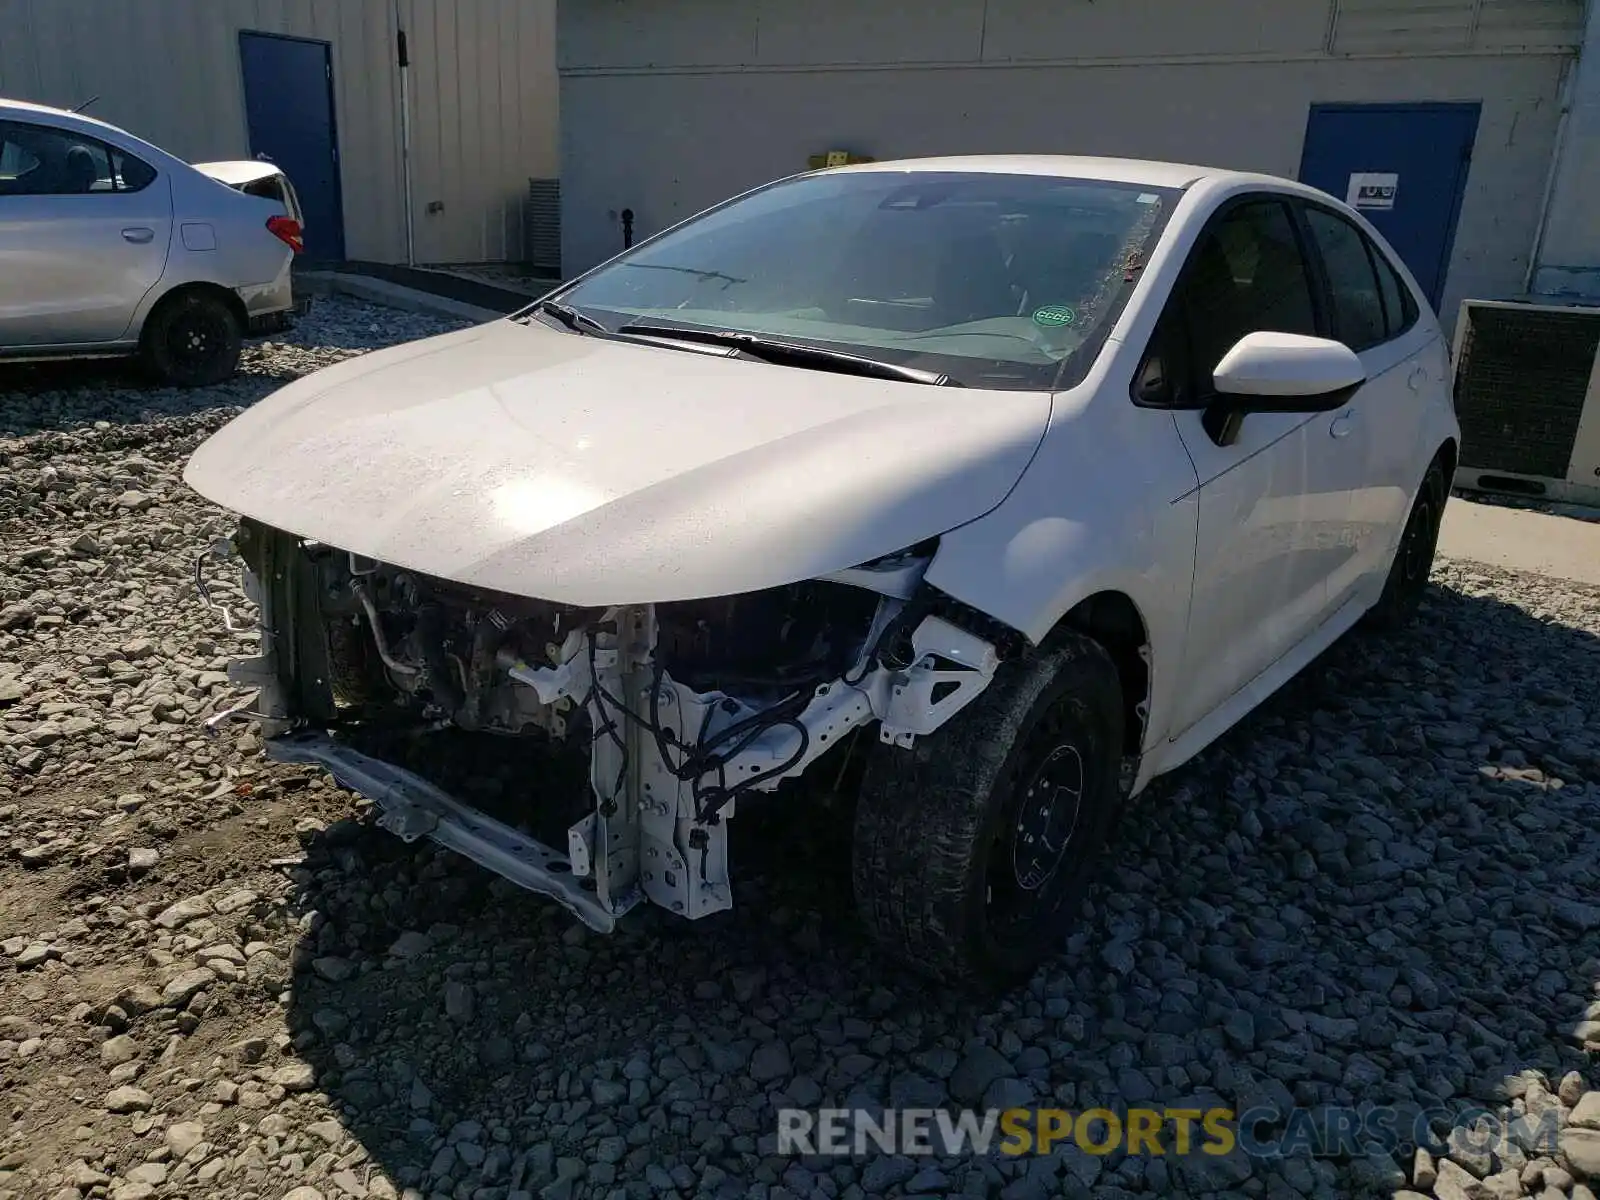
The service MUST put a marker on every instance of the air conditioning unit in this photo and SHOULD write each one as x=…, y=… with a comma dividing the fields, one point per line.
x=1527, y=393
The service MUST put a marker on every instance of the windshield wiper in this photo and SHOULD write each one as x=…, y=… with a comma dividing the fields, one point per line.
x=570, y=317
x=776, y=350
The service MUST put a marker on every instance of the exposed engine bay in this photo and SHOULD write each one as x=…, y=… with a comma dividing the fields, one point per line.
x=682, y=708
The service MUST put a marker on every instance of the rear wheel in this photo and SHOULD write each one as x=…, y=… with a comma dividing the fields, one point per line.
x=1413, y=558
x=192, y=340
x=973, y=850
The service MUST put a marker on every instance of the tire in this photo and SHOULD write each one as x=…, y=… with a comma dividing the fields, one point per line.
x=192, y=340
x=946, y=878
x=1413, y=557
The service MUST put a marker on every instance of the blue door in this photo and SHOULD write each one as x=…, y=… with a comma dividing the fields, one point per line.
x=1404, y=166
x=288, y=104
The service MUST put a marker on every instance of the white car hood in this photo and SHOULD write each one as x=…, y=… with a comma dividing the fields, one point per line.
x=539, y=463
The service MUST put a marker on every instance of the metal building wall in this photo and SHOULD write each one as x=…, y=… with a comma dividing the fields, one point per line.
x=1569, y=253
x=670, y=105
x=483, y=98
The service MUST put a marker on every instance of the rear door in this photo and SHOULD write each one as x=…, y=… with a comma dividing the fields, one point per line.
x=1371, y=443
x=84, y=233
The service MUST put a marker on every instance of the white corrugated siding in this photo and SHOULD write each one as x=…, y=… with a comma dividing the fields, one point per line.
x=689, y=34
x=483, y=96
x=1389, y=26
x=671, y=105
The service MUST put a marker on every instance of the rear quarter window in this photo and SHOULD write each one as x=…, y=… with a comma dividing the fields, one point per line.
x=1347, y=259
x=1399, y=306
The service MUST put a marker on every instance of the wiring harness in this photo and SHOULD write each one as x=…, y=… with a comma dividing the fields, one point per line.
x=693, y=761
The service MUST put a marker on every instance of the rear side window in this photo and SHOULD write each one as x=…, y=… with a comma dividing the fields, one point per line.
x=1399, y=306
x=37, y=160
x=1358, y=307
x=131, y=174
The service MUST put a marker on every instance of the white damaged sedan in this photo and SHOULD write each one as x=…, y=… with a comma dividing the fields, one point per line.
x=997, y=486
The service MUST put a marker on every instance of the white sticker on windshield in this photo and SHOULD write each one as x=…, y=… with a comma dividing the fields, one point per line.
x=1148, y=198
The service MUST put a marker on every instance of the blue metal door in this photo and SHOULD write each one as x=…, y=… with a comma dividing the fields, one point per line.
x=1404, y=166
x=288, y=102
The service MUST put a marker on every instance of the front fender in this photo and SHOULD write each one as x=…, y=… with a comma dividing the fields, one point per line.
x=1109, y=504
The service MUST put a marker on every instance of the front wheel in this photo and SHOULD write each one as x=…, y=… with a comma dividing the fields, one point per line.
x=973, y=849
x=1413, y=558
x=192, y=340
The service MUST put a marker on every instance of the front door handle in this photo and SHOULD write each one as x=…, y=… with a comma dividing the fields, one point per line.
x=1343, y=425
x=1418, y=378
x=138, y=234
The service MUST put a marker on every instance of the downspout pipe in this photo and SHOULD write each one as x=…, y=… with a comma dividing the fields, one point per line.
x=1568, y=79
x=404, y=56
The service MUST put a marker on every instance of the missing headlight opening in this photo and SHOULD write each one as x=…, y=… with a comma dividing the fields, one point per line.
x=681, y=709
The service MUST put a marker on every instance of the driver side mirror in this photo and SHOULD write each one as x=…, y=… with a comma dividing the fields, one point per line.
x=1280, y=373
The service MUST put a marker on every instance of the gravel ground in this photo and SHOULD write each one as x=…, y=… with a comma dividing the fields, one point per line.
x=216, y=979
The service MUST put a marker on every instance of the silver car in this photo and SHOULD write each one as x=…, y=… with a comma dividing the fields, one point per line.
x=114, y=247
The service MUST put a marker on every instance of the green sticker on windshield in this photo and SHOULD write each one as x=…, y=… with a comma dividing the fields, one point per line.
x=1054, y=316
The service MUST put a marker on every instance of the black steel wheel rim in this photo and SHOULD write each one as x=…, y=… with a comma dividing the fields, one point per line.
x=1414, y=547
x=1042, y=833
x=194, y=338
x=1047, y=817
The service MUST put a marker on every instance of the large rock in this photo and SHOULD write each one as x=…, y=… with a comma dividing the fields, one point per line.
x=177, y=915
x=1585, y=1113
x=182, y=988
x=295, y=1077
x=975, y=1072
x=184, y=1136
x=770, y=1062
x=1581, y=1147
x=118, y=1050
x=128, y=1099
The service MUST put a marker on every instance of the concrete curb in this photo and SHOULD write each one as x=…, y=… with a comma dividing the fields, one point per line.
x=381, y=291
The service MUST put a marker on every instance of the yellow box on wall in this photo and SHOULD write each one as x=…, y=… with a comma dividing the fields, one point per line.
x=836, y=158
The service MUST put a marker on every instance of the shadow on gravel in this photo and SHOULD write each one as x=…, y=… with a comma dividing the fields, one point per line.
x=65, y=396
x=1376, y=892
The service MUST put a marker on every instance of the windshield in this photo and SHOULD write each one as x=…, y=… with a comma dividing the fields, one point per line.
x=997, y=280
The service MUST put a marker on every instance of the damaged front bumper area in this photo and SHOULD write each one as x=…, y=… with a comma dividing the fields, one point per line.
x=413, y=808
x=680, y=710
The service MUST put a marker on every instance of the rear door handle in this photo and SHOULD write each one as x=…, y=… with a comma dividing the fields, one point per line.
x=138, y=234
x=1418, y=378
x=1343, y=425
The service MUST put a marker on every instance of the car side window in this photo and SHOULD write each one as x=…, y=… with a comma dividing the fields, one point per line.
x=37, y=160
x=1247, y=274
x=1399, y=306
x=1353, y=280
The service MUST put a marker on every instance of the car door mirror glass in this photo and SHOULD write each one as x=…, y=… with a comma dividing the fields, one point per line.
x=1287, y=372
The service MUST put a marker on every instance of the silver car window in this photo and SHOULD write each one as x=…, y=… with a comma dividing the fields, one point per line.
x=38, y=160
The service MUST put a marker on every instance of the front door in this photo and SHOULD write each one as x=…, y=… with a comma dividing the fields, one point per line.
x=1404, y=166
x=288, y=98
x=84, y=230
x=1261, y=570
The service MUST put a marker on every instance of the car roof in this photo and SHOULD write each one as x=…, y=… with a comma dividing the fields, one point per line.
x=23, y=109
x=1147, y=172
